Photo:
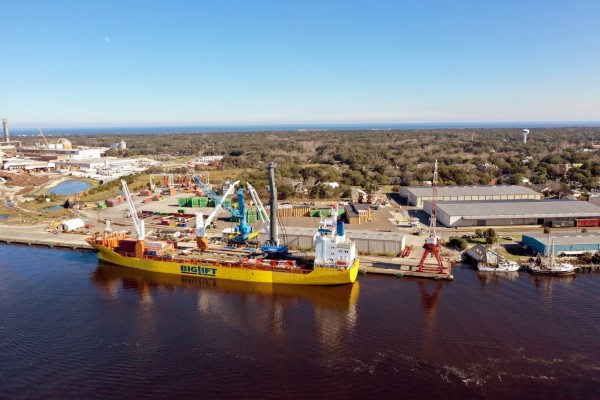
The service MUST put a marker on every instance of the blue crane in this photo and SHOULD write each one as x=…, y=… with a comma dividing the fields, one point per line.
x=243, y=232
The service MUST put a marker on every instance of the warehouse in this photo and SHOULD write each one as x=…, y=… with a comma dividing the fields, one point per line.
x=563, y=244
x=366, y=241
x=516, y=212
x=417, y=195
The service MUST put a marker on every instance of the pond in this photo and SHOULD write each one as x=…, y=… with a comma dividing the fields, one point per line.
x=70, y=187
x=52, y=208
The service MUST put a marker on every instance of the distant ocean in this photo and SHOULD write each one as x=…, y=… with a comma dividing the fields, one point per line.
x=140, y=130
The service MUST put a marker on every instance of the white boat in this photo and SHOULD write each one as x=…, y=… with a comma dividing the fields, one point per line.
x=550, y=265
x=493, y=261
x=502, y=266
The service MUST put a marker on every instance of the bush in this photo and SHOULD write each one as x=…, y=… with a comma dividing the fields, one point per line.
x=458, y=243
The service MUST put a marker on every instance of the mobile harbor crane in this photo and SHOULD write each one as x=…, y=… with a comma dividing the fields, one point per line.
x=201, y=224
x=243, y=233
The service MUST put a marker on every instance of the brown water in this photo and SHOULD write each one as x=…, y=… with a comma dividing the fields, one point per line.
x=71, y=328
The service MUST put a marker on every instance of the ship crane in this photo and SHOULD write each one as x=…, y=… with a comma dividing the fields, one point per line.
x=201, y=224
x=138, y=223
x=243, y=233
x=432, y=242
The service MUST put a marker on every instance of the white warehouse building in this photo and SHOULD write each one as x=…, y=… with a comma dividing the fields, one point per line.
x=516, y=212
x=417, y=195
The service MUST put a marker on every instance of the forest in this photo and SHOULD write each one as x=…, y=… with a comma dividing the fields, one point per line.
x=559, y=158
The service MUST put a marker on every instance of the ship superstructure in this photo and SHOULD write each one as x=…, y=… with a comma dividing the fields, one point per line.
x=333, y=249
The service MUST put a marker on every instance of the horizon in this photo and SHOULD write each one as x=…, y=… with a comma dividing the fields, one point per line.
x=199, y=128
x=235, y=63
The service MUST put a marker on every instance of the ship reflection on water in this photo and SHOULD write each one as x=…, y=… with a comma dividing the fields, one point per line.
x=334, y=306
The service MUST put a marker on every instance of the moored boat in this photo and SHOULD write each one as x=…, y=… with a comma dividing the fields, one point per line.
x=501, y=266
x=550, y=265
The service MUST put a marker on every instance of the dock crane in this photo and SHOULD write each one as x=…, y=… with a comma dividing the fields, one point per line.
x=138, y=224
x=243, y=233
x=201, y=224
x=432, y=242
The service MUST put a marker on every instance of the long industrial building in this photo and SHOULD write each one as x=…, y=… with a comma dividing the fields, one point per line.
x=417, y=195
x=519, y=212
x=563, y=244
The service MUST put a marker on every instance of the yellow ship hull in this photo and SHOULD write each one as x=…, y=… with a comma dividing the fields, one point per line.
x=318, y=276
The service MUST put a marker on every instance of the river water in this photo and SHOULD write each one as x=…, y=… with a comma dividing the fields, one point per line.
x=73, y=328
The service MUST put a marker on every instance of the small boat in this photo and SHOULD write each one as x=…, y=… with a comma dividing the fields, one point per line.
x=501, y=266
x=493, y=261
x=550, y=265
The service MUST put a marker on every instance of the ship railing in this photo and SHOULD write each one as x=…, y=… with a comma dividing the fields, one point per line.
x=259, y=267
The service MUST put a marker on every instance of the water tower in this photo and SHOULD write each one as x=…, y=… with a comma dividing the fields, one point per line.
x=525, y=132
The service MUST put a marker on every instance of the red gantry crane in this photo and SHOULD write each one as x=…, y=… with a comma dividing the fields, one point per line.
x=432, y=242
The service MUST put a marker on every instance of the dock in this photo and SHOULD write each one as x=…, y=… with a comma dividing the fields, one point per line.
x=402, y=267
x=44, y=239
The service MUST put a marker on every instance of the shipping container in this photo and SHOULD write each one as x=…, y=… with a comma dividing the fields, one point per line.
x=147, y=200
x=588, y=222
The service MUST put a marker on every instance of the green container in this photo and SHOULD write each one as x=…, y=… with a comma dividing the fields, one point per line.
x=181, y=211
x=227, y=202
x=210, y=203
x=314, y=213
x=182, y=201
x=325, y=213
x=101, y=204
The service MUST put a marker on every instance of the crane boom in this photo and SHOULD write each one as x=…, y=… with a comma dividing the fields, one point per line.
x=44, y=137
x=262, y=213
x=216, y=198
x=243, y=232
x=138, y=224
x=201, y=224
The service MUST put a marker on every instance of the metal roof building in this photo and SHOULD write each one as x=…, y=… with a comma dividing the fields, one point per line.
x=517, y=212
x=567, y=244
x=417, y=195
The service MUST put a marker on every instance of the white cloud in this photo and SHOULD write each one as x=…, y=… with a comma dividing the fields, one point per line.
x=106, y=39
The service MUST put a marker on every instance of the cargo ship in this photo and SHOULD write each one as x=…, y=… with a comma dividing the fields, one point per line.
x=335, y=261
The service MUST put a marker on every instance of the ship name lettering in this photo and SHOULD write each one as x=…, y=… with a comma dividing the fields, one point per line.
x=203, y=271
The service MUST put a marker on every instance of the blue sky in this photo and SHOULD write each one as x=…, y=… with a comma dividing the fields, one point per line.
x=69, y=63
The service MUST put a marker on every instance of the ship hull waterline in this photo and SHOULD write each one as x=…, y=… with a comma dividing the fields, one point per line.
x=318, y=276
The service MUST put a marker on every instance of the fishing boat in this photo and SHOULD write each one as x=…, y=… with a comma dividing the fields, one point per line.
x=501, y=266
x=335, y=262
x=493, y=261
x=550, y=265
